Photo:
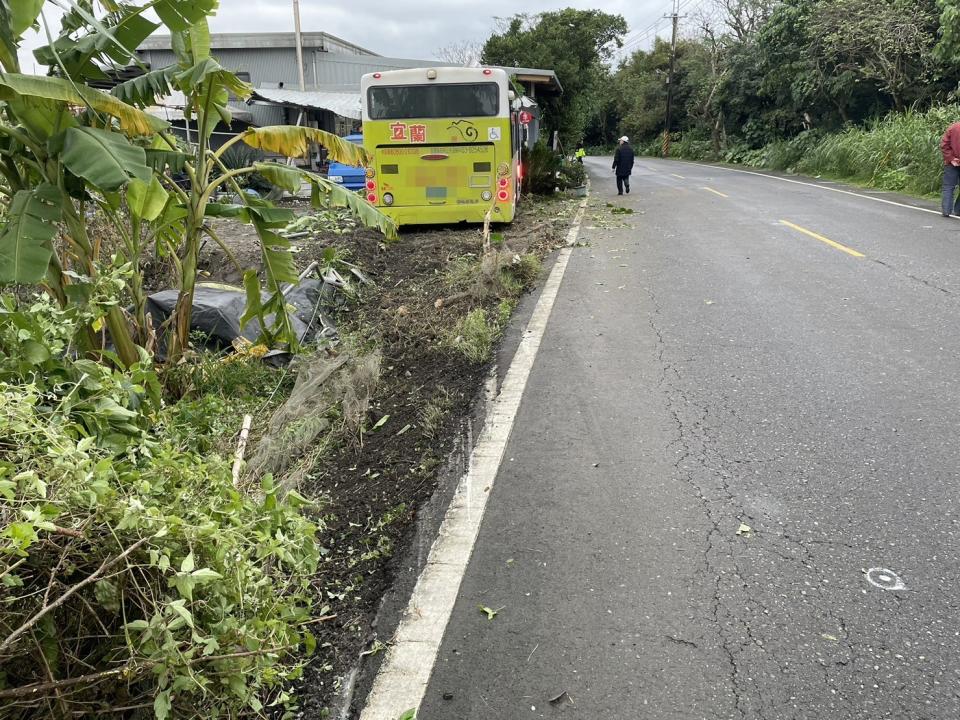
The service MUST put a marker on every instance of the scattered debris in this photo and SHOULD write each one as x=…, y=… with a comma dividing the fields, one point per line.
x=491, y=614
x=557, y=699
x=745, y=530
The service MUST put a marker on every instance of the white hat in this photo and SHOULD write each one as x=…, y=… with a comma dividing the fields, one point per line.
x=624, y=139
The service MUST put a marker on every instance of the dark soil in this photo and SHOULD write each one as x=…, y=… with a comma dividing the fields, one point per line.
x=371, y=490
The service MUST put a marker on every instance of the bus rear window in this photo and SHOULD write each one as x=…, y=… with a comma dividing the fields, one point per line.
x=433, y=101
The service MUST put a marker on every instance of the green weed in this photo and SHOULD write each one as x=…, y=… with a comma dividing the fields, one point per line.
x=474, y=335
x=435, y=411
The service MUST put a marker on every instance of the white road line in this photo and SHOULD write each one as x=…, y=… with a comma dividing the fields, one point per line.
x=821, y=187
x=403, y=677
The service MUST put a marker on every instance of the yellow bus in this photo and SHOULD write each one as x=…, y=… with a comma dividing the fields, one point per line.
x=445, y=144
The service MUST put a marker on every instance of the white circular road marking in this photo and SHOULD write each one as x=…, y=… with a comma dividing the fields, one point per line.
x=885, y=579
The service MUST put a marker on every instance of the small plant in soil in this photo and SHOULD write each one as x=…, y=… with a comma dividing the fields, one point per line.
x=474, y=336
x=435, y=411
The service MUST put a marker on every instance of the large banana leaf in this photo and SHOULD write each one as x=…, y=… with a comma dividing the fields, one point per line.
x=146, y=200
x=328, y=194
x=44, y=118
x=132, y=121
x=16, y=16
x=283, y=176
x=179, y=15
x=279, y=268
x=293, y=141
x=146, y=89
x=23, y=14
x=160, y=160
x=114, y=39
x=26, y=238
x=105, y=159
x=191, y=80
x=8, y=41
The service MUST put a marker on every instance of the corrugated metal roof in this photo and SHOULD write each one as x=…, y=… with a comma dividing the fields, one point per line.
x=224, y=41
x=171, y=108
x=345, y=104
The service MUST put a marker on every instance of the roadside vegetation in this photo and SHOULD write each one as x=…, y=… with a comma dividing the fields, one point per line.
x=852, y=90
x=849, y=89
x=144, y=570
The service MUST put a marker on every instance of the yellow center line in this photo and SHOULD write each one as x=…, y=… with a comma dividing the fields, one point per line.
x=678, y=176
x=821, y=238
x=715, y=192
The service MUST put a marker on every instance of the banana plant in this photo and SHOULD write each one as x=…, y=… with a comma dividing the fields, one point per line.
x=66, y=148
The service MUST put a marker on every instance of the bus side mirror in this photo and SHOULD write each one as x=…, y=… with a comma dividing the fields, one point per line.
x=516, y=104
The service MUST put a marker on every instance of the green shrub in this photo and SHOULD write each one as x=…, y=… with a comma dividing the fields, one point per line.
x=572, y=174
x=541, y=166
x=132, y=569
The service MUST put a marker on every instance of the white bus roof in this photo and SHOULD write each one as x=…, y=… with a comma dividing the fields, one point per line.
x=418, y=76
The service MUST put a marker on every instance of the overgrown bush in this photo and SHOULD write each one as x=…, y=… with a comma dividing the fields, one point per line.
x=899, y=152
x=572, y=175
x=134, y=574
x=541, y=166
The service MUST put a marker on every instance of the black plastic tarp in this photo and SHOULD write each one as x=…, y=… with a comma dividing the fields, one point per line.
x=217, y=310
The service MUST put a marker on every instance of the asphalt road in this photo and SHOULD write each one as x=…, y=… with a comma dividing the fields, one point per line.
x=709, y=366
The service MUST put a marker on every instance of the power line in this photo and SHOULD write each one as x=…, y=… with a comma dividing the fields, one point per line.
x=653, y=30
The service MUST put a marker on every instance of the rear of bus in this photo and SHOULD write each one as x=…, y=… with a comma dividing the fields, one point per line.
x=442, y=143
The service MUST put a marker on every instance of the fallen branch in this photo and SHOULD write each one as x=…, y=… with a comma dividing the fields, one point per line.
x=128, y=671
x=69, y=532
x=106, y=565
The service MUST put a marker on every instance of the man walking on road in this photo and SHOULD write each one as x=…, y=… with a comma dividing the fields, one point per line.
x=950, y=147
x=623, y=164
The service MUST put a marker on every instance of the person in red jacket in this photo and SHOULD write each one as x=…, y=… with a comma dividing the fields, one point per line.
x=950, y=147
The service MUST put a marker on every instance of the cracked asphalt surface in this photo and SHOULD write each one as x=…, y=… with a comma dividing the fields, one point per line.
x=707, y=367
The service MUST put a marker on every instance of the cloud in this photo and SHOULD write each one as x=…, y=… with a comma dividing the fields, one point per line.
x=396, y=28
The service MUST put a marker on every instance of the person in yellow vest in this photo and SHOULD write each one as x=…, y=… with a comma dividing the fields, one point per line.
x=580, y=154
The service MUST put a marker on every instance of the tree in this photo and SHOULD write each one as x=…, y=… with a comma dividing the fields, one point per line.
x=745, y=17
x=573, y=43
x=465, y=53
x=947, y=49
x=889, y=43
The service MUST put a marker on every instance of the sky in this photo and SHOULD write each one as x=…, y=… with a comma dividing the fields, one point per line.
x=409, y=29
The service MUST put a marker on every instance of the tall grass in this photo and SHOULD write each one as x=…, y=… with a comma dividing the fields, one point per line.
x=900, y=152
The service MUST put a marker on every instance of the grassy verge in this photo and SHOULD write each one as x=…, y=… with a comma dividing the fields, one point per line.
x=900, y=152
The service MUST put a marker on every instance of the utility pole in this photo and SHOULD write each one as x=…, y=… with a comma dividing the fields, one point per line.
x=299, y=43
x=675, y=16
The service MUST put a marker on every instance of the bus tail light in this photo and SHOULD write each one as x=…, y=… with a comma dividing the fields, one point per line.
x=371, y=197
x=503, y=196
x=486, y=196
x=388, y=198
x=503, y=182
x=371, y=185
